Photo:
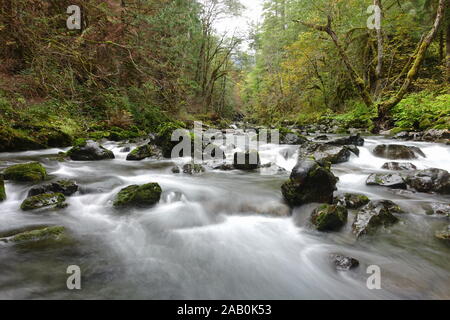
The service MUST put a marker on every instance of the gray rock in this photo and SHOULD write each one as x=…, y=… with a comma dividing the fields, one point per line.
x=344, y=263
x=352, y=201
x=440, y=209
x=397, y=166
x=397, y=152
x=431, y=180
x=391, y=180
x=374, y=215
x=354, y=140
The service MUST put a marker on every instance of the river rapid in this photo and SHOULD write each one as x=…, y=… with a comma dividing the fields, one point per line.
x=220, y=234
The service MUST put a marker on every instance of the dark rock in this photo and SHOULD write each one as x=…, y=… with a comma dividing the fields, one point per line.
x=192, y=168
x=352, y=201
x=374, y=215
x=431, y=180
x=66, y=187
x=27, y=172
x=436, y=135
x=329, y=217
x=354, y=140
x=2, y=190
x=139, y=196
x=397, y=166
x=321, y=138
x=53, y=200
x=176, y=170
x=225, y=167
x=309, y=182
x=354, y=149
x=324, y=153
x=393, y=181
x=125, y=149
x=292, y=138
x=142, y=152
x=397, y=152
x=89, y=151
x=344, y=263
x=246, y=161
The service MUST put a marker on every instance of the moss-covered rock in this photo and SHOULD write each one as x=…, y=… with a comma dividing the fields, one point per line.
x=54, y=233
x=26, y=172
x=46, y=200
x=310, y=182
x=142, y=152
x=444, y=235
x=193, y=168
x=163, y=138
x=139, y=196
x=66, y=187
x=246, y=161
x=2, y=190
x=374, y=215
x=352, y=201
x=89, y=151
x=17, y=140
x=329, y=217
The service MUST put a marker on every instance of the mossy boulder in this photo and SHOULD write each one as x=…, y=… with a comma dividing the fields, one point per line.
x=309, y=182
x=46, y=200
x=163, y=138
x=246, y=161
x=139, y=196
x=193, y=168
x=26, y=172
x=17, y=140
x=2, y=190
x=329, y=217
x=142, y=152
x=54, y=233
x=88, y=150
x=352, y=201
x=391, y=180
x=398, y=152
x=374, y=215
x=66, y=187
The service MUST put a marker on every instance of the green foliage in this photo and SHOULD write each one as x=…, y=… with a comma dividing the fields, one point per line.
x=423, y=110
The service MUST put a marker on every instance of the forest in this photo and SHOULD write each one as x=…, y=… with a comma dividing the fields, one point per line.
x=315, y=163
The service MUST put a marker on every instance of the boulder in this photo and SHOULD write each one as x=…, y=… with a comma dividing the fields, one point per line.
x=444, y=235
x=344, y=263
x=192, y=168
x=397, y=152
x=329, y=217
x=354, y=140
x=292, y=138
x=431, y=180
x=397, y=166
x=352, y=201
x=53, y=233
x=2, y=190
x=436, y=135
x=89, y=151
x=46, y=200
x=374, y=215
x=139, y=196
x=246, y=161
x=391, y=180
x=325, y=153
x=309, y=182
x=142, y=152
x=26, y=172
x=66, y=187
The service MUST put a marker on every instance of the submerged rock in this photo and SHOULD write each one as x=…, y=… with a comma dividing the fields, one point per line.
x=352, y=201
x=397, y=152
x=440, y=209
x=397, y=166
x=142, y=152
x=309, y=182
x=89, y=151
x=354, y=140
x=246, y=161
x=2, y=190
x=431, y=180
x=54, y=200
x=329, y=217
x=374, y=215
x=66, y=187
x=393, y=181
x=344, y=263
x=192, y=168
x=54, y=233
x=27, y=172
x=139, y=196
x=224, y=167
x=444, y=235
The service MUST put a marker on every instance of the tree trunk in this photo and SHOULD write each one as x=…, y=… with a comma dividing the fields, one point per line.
x=380, y=53
x=448, y=45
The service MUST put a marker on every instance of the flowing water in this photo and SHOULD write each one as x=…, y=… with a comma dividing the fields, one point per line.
x=219, y=235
